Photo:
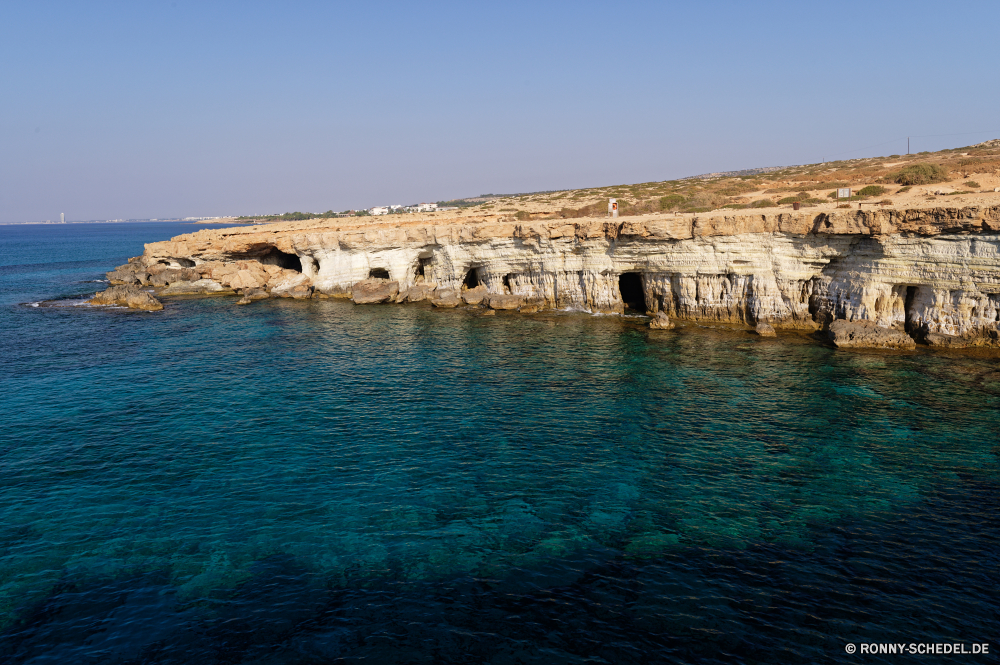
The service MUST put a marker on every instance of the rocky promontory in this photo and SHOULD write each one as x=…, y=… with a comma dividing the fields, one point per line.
x=127, y=296
x=928, y=273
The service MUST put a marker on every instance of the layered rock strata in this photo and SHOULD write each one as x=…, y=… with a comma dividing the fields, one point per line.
x=926, y=272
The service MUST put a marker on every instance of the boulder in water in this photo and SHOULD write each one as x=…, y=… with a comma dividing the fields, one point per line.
x=474, y=296
x=373, y=291
x=416, y=293
x=867, y=335
x=128, y=296
x=661, y=322
x=504, y=301
x=765, y=330
x=446, y=298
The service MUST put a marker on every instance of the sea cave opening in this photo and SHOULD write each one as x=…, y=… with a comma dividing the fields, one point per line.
x=378, y=273
x=507, y=283
x=421, y=269
x=909, y=323
x=471, y=278
x=633, y=295
x=276, y=257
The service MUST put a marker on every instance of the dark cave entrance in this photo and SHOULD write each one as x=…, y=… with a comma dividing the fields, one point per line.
x=471, y=278
x=421, y=269
x=378, y=273
x=506, y=283
x=276, y=257
x=911, y=294
x=630, y=286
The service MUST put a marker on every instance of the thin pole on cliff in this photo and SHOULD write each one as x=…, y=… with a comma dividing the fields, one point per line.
x=907, y=145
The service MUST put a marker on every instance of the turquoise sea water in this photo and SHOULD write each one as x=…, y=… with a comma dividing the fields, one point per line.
x=310, y=481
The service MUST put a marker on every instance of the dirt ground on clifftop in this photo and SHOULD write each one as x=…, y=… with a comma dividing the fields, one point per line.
x=969, y=178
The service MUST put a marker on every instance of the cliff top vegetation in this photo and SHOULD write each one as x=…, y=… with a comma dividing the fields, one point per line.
x=873, y=178
x=899, y=180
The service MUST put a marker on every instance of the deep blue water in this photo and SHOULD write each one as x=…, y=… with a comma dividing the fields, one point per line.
x=310, y=482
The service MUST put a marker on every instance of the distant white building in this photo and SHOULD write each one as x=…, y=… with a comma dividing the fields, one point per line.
x=380, y=210
x=427, y=207
x=395, y=208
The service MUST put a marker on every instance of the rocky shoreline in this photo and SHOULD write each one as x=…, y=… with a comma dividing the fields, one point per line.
x=888, y=278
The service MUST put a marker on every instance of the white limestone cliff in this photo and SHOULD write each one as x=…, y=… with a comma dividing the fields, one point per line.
x=926, y=271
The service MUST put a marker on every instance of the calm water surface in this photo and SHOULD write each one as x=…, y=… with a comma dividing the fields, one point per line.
x=309, y=482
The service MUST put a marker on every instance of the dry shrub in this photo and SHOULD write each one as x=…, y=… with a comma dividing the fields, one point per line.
x=871, y=190
x=709, y=200
x=736, y=188
x=920, y=174
x=671, y=201
x=593, y=210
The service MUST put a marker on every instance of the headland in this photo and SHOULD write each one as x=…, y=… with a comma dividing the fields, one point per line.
x=920, y=267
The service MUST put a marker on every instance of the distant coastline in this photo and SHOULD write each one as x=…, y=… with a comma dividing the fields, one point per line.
x=173, y=220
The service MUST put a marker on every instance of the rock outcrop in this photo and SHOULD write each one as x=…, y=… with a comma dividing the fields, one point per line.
x=446, y=298
x=868, y=335
x=475, y=296
x=416, y=293
x=371, y=292
x=196, y=287
x=505, y=301
x=765, y=330
x=661, y=322
x=930, y=271
x=126, y=296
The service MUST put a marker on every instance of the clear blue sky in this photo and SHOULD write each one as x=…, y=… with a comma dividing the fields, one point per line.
x=178, y=107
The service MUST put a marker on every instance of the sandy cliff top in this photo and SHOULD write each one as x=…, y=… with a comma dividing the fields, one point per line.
x=964, y=179
x=921, y=215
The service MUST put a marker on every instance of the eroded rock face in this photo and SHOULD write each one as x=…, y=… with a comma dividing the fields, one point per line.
x=945, y=341
x=173, y=276
x=295, y=285
x=868, y=335
x=446, y=298
x=417, y=293
x=133, y=272
x=371, y=292
x=120, y=277
x=933, y=269
x=505, y=301
x=474, y=296
x=196, y=287
x=126, y=296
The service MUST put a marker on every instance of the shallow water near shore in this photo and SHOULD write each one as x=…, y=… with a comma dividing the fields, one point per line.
x=311, y=481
